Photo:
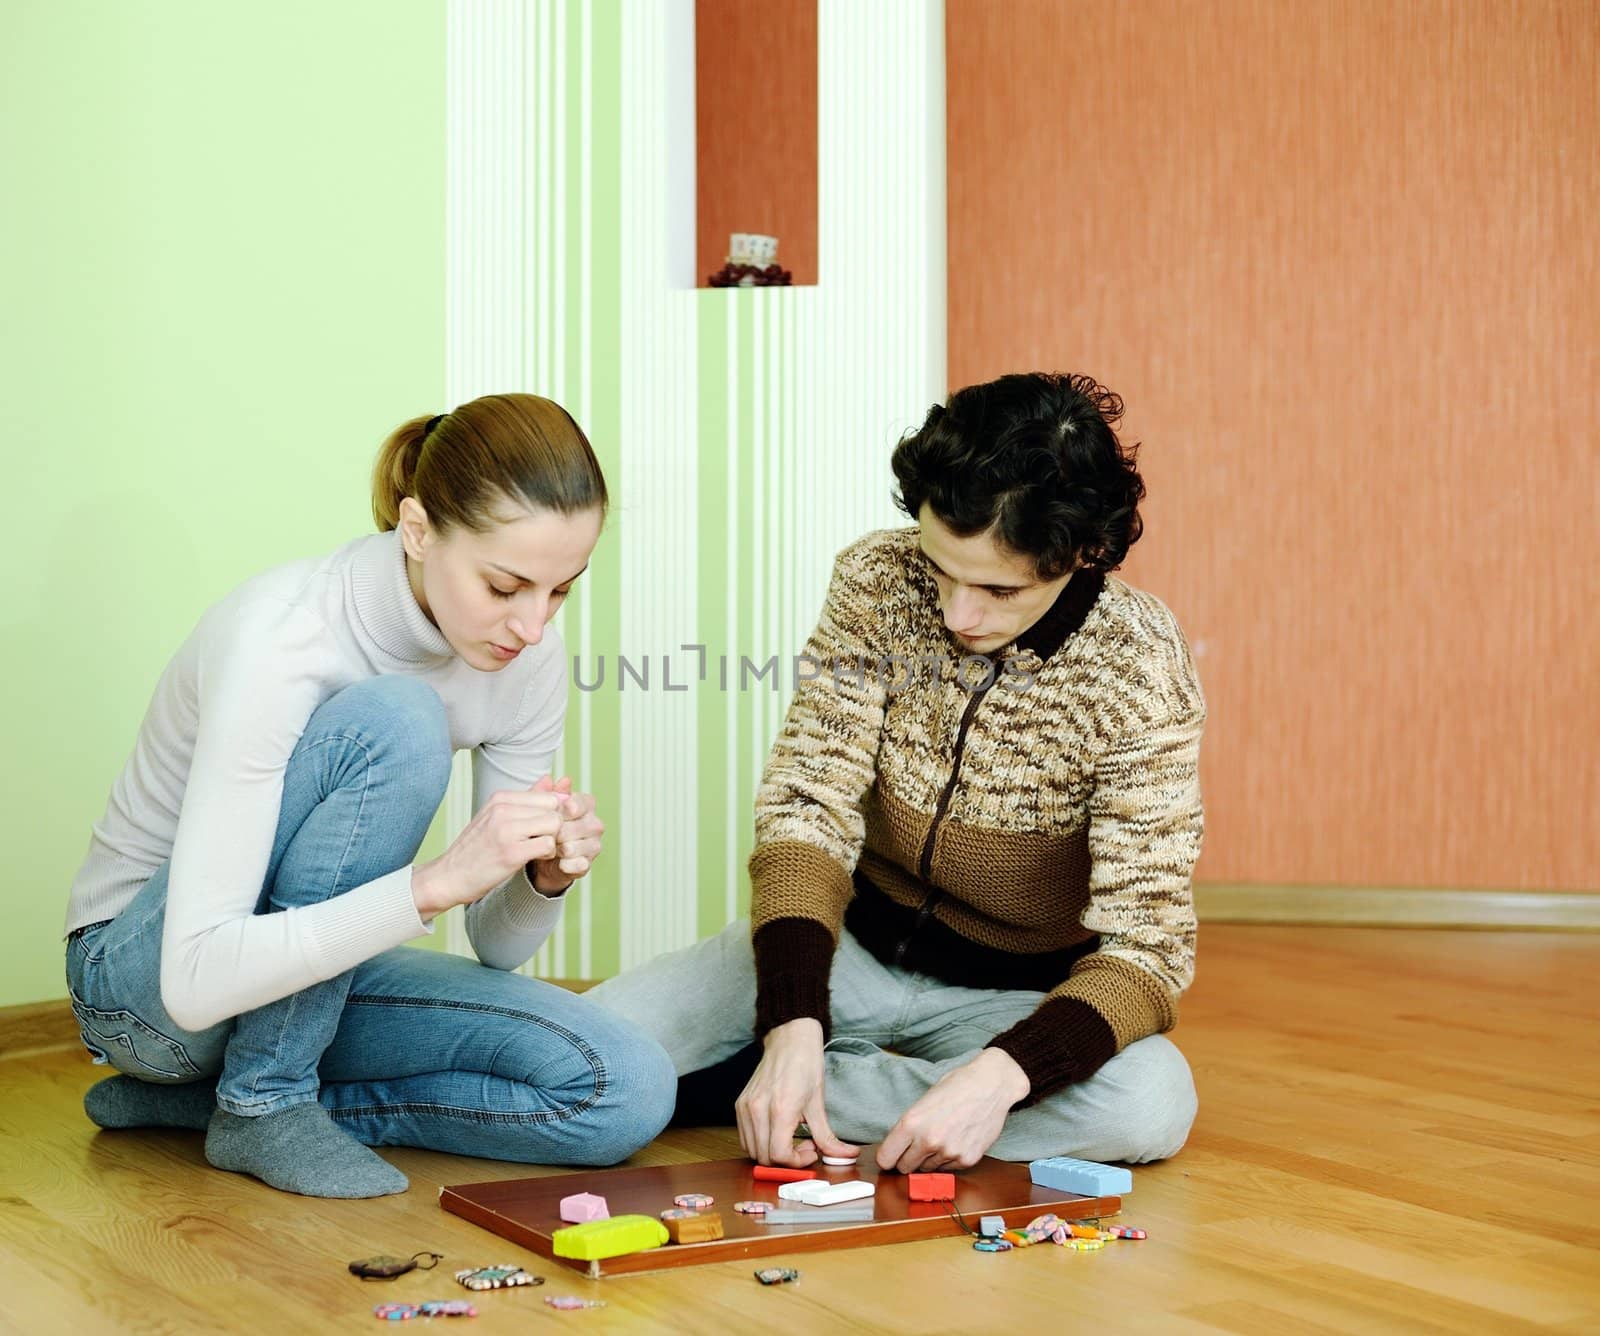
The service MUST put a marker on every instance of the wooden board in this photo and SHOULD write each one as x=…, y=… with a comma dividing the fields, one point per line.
x=526, y=1210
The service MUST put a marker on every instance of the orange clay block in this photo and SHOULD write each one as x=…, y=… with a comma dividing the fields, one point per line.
x=932, y=1187
x=694, y=1228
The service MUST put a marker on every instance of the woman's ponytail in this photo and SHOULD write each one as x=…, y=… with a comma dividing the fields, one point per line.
x=394, y=475
x=498, y=450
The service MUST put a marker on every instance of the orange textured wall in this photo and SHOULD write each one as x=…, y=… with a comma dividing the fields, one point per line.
x=756, y=129
x=1343, y=263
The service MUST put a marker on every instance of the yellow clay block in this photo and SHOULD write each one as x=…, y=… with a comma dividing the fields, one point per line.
x=595, y=1240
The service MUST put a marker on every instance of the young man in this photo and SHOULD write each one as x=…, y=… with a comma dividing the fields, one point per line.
x=971, y=915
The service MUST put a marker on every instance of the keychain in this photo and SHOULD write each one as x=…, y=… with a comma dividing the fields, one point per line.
x=496, y=1277
x=387, y=1268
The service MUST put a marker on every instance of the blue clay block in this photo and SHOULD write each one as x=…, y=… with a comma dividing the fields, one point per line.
x=1084, y=1177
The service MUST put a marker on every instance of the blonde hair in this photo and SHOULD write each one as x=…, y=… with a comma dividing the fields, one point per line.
x=459, y=465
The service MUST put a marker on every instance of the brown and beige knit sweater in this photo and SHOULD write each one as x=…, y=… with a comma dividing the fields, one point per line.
x=1038, y=833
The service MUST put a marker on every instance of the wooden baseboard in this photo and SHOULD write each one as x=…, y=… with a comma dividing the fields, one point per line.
x=1381, y=907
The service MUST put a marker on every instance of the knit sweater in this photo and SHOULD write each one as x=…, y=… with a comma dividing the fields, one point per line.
x=205, y=781
x=1039, y=831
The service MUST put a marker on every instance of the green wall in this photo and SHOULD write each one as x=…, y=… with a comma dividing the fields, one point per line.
x=223, y=231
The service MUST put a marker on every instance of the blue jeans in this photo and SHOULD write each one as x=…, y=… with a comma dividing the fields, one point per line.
x=412, y=1047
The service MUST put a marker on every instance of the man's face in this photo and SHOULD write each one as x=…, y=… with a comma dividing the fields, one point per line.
x=988, y=594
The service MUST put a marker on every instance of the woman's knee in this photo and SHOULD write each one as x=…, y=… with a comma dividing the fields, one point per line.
x=614, y=1082
x=644, y=1093
x=401, y=719
x=624, y=1094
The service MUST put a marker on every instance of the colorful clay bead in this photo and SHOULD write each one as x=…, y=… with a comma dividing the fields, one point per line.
x=446, y=1308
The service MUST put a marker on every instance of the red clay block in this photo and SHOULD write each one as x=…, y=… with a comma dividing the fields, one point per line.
x=770, y=1173
x=932, y=1187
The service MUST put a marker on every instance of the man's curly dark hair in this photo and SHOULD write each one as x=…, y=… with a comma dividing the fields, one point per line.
x=1034, y=457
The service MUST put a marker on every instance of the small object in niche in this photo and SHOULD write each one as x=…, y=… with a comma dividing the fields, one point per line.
x=753, y=248
x=752, y=263
x=748, y=276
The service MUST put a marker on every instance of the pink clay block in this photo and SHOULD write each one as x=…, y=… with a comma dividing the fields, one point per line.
x=582, y=1207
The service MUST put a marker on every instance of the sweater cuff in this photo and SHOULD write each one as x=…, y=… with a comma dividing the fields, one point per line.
x=1064, y=1041
x=794, y=957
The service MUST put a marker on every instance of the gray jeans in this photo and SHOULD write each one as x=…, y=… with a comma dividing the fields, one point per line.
x=699, y=1004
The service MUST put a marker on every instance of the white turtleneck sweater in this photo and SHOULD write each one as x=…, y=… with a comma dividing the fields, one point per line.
x=205, y=782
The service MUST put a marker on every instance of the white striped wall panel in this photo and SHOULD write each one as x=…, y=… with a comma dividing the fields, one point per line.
x=561, y=210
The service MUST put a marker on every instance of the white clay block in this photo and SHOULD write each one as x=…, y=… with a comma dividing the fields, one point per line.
x=815, y=1192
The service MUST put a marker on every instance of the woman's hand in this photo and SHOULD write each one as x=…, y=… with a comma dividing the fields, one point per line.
x=514, y=828
x=577, y=842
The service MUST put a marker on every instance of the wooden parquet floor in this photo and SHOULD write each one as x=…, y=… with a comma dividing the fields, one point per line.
x=1399, y=1132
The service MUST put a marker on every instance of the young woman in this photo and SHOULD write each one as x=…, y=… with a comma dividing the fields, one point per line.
x=234, y=934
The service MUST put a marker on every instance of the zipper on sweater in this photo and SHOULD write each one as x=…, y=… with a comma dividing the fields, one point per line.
x=925, y=863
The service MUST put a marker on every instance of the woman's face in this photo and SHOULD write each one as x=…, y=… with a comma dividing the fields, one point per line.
x=491, y=594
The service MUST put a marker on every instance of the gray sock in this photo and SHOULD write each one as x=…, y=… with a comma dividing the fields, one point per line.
x=300, y=1149
x=122, y=1101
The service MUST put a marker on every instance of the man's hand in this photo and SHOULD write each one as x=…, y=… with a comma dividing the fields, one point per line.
x=786, y=1090
x=577, y=843
x=959, y=1119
